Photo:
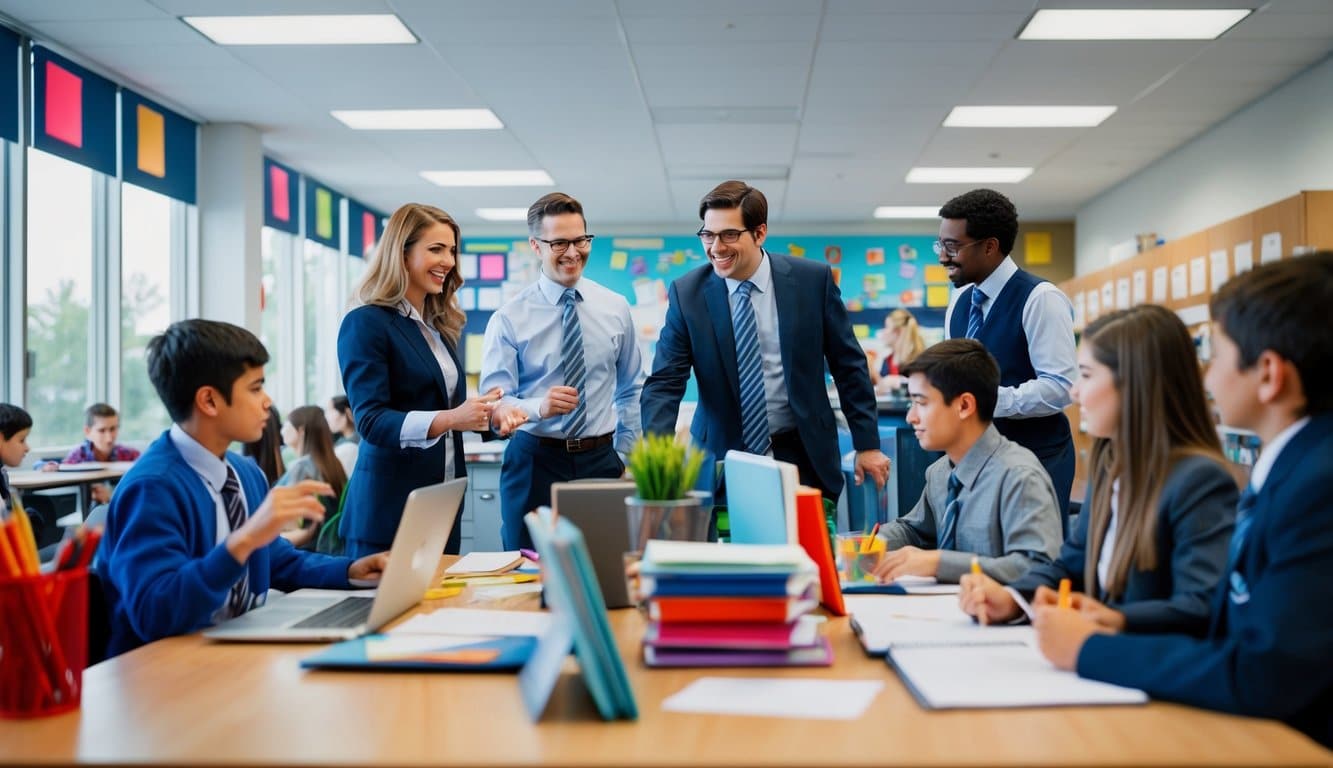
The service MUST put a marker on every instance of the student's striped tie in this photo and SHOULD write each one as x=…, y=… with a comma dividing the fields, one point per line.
x=238, y=601
x=948, y=537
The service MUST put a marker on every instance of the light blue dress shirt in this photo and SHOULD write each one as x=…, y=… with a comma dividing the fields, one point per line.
x=780, y=418
x=521, y=356
x=1048, y=322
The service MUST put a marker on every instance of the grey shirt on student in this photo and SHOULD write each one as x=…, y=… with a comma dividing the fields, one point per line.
x=1008, y=516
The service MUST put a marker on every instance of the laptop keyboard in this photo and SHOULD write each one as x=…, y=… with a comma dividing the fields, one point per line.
x=348, y=612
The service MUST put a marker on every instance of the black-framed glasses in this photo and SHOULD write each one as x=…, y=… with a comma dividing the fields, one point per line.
x=560, y=246
x=727, y=236
x=952, y=247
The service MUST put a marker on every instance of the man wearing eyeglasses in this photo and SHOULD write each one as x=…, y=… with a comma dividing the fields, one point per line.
x=758, y=329
x=564, y=353
x=1027, y=323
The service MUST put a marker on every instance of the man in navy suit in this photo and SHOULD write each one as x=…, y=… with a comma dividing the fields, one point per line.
x=758, y=328
x=1268, y=645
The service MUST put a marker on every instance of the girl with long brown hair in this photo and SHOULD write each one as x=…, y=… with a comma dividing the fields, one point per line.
x=1151, y=541
x=307, y=433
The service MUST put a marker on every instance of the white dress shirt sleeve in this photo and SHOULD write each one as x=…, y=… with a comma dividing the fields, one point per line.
x=1048, y=322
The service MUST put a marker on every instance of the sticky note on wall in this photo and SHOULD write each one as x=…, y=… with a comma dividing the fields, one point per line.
x=1037, y=247
x=152, y=145
x=324, y=213
x=936, y=274
x=937, y=296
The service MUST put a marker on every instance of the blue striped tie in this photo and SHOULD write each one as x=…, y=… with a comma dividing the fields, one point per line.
x=238, y=600
x=1239, y=588
x=571, y=361
x=754, y=404
x=948, y=537
x=974, y=314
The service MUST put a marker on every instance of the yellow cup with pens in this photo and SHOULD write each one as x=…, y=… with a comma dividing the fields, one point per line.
x=859, y=554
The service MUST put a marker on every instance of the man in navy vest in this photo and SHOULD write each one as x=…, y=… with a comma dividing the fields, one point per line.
x=1026, y=322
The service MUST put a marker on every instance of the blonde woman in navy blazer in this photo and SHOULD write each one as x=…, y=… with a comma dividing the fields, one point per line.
x=398, y=352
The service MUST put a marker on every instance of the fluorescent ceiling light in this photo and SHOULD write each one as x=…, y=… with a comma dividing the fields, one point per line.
x=1027, y=117
x=967, y=175
x=1137, y=24
x=489, y=178
x=418, y=119
x=503, y=214
x=907, y=212
x=364, y=29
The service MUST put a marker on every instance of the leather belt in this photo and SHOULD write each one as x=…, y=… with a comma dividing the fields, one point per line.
x=577, y=444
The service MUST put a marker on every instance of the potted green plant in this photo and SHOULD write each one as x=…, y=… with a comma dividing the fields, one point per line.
x=667, y=506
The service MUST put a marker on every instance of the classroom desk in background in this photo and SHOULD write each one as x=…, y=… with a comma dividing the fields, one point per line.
x=33, y=480
x=186, y=701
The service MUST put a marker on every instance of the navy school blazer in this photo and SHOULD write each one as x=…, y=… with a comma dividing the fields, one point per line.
x=1269, y=643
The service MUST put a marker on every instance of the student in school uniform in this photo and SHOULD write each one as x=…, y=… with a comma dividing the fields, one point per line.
x=346, y=441
x=307, y=434
x=266, y=451
x=987, y=497
x=15, y=424
x=192, y=532
x=1151, y=541
x=101, y=427
x=1268, y=644
x=398, y=352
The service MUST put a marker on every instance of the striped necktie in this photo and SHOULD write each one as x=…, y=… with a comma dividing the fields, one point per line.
x=754, y=403
x=571, y=361
x=974, y=313
x=948, y=537
x=238, y=601
x=1239, y=588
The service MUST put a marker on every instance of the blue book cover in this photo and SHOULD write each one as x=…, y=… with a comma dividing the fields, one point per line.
x=761, y=499
x=426, y=653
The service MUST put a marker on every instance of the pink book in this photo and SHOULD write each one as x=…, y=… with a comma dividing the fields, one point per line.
x=802, y=633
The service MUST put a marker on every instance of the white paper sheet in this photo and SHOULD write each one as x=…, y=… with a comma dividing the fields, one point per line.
x=1270, y=247
x=1244, y=257
x=475, y=621
x=769, y=697
x=890, y=621
x=485, y=562
x=1219, y=269
x=1140, y=291
x=1159, y=285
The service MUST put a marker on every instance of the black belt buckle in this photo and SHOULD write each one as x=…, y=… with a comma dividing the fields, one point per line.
x=575, y=444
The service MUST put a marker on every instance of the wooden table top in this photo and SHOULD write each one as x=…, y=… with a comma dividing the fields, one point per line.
x=29, y=479
x=188, y=701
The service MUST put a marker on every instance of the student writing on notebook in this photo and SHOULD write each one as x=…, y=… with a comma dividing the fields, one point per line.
x=987, y=496
x=1268, y=643
x=1151, y=541
x=192, y=531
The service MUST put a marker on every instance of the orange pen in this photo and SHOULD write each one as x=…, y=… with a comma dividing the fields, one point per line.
x=1064, y=601
x=868, y=540
x=976, y=571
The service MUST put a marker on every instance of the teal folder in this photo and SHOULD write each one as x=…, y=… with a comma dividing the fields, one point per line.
x=501, y=653
x=579, y=617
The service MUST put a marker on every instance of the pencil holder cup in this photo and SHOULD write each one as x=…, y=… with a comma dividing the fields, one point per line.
x=684, y=519
x=43, y=643
x=858, y=556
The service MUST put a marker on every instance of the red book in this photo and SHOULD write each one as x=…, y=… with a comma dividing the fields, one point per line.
x=774, y=610
x=812, y=532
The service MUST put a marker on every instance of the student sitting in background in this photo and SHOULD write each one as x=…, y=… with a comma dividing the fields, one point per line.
x=192, y=532
x=307, y=434
x=101, y=426
x=266, y=452
x=15, y=424
x=346, y=442
x=987, y=497
x=902, y=343
x=1151, y=541
x=1268, y=644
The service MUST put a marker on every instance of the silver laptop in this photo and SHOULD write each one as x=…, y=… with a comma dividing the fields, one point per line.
x=597, y=507
x=428, y=517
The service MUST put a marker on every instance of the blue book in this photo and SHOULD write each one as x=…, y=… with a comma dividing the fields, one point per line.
x=765, y=585
x=761, y=499
x=424, y=653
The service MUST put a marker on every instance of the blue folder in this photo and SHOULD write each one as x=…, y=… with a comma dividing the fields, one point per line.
x=501, y=653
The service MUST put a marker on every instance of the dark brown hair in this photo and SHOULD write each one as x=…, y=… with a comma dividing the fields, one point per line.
x=552, y=204
x=957, y=366
x=737, y=194
x=317, y=443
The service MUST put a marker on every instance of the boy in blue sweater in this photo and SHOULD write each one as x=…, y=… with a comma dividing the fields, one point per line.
x=1270, y=639
x=192, y=532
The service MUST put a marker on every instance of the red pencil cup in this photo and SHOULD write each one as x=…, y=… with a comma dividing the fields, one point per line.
x=43, y=643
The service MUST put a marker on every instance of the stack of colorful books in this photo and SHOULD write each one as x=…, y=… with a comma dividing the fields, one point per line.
x=731, y=605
